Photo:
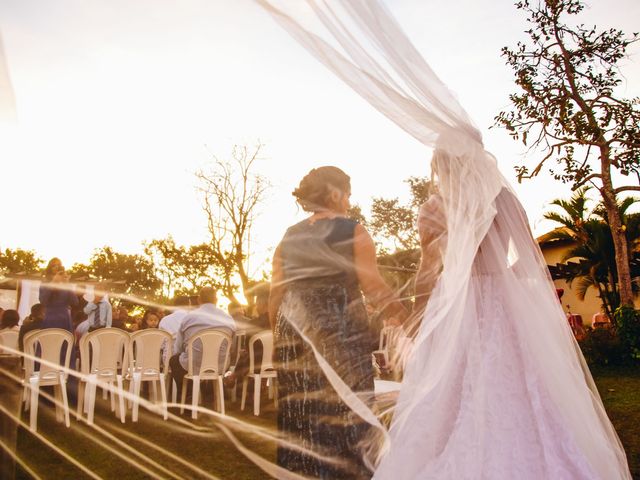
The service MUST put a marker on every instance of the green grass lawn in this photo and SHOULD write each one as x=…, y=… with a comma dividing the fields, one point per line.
x=174, y=449
x=620, y=392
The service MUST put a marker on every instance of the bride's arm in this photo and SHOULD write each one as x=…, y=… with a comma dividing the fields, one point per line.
x=371, y=282
x=431, y=229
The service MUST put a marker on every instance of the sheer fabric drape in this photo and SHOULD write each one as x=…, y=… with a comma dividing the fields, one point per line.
x=491, y=271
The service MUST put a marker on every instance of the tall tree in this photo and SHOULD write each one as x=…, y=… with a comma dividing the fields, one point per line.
x=128, y=273
x=232, y=193
x=590, y=234
x=184, y=269
x=19, y=261
x=393, y=223
x=567, y=108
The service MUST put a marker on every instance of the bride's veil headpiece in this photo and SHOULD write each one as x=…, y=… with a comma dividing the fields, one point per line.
x=486, y=247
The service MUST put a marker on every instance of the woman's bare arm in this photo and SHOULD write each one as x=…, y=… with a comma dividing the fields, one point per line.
x=371, y=282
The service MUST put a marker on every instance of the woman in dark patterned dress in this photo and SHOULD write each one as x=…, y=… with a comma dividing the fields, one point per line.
x=321, y=269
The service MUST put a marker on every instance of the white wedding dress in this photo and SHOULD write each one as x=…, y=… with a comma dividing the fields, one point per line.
x=490, y=415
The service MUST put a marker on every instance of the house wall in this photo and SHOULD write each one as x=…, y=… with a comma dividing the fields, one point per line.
x=591, y=304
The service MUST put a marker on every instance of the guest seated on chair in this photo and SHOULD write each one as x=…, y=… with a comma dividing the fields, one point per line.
x=99, y=310
x=32, y=322
x=206, y=316
x=10, y=319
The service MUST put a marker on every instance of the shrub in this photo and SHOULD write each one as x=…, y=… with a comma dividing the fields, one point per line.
x=602, y=346
x=627, y=321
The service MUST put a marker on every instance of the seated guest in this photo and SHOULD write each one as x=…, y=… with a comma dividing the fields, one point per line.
x=32, y=322
x=99, y=310
x=206, y=316
x=237, y=313
x=261, y=319
x=150, y=319
x=10, y=319
x=258, y=324
x=171, y=323
x=600, y=319
x=82, y=326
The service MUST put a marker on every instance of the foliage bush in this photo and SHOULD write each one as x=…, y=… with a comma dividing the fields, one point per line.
x=614, y=346
x=627, y=321
x=602, y=346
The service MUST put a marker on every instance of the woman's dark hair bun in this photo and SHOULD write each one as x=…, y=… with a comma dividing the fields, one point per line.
x=314, y=190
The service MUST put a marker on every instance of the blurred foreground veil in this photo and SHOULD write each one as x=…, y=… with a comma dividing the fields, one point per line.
x=7, y=100
x=493, y=371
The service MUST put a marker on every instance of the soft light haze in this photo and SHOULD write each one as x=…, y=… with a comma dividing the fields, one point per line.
x=119, y=102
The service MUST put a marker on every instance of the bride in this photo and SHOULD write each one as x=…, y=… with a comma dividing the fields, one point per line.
x=495, y=385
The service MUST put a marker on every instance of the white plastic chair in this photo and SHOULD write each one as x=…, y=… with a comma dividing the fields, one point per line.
x=267, y=370
x=148, y=364
x=210, y=368
x=9, y=339
x=45, y=348
x=103, y=359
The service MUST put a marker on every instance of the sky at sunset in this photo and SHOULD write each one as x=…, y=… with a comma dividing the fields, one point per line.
x=119, y=102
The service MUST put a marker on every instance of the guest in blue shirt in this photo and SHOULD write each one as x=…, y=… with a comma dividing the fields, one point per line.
x=98, y=310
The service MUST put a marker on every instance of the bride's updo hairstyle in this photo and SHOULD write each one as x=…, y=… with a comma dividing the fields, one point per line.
x=314, y=192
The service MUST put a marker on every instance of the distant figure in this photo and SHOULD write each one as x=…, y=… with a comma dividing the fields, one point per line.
x=238, y=314
x=205, y=317
x=56, y=297
x=31, y=323
x=150, y=319
x=99, y=311
x=600, y=320
x=10, y=319
x=171, y=323
x=261, y=318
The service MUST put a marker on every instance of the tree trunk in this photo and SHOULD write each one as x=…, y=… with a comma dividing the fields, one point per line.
x=619, y=237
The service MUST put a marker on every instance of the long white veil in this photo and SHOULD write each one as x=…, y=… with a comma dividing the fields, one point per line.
x=482, y=246
x=487, y=249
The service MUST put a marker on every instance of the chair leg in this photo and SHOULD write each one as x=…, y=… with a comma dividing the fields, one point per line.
x=234, y=393
x=25, y=396
x=256, y=394
x=121, y=408
x=65, y=400
x=163, y=394
x=196, y=396
x=174, y=391
x=183, y=395
x=155, y=391
x=275, y=392
x=105, y=392
x=245, y=386
x=216, y=399
x=91, y=403
x=112, y=396
x=270, y=388
x=35, y=393
x=221, y=394
x=137, y=382
x=57, y=398
x=81, y=392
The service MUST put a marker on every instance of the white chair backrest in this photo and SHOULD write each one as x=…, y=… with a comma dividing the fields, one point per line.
x=266, y=337
x=109, y=350
x=47, y=344
x=213, y=340
x=146, y=347
x=8, y=338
